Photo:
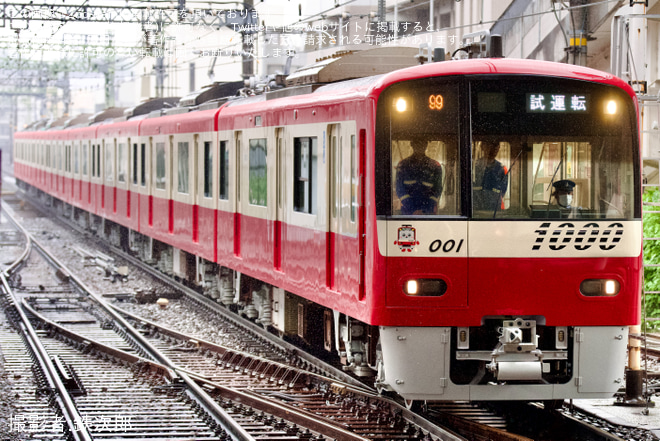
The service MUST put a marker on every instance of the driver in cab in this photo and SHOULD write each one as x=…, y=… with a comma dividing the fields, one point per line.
x=419, y=181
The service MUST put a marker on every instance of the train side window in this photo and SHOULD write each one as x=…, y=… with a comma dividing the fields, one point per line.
x=208, y=169
x=224, y=170
x=258, y=172
x=67, y=158
x=76, y=160
x=121, y=162
x=304, y=174
x=98, y=161
x=135, y=163
x=84, y=159
x=93, y=160
x=143, y=164
x=160, y=165
x=109, y=169
x=183, y=176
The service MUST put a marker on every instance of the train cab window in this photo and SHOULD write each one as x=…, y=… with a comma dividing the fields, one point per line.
x=417, y=149
x=420, y=180
x=490, y=175
x=160, y=166
x=563, y=155
x=224, y=171
x=208, y=169
x=305, y=164
x=122, y=162
x=258, y=176
x=183, y=176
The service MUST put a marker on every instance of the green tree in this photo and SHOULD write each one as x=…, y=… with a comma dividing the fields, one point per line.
x=652, y=256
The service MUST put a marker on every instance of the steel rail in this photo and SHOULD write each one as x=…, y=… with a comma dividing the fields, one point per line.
x=357, y=387
x=62, y=397
x=68, y=406
x=215, y=411
x=28, y=245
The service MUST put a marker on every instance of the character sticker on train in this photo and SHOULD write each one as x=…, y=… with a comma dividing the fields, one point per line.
x=406, y=238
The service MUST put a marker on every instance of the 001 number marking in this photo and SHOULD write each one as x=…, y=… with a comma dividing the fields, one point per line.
x=447, y=246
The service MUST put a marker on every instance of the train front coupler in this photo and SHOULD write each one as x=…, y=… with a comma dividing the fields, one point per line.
x=517, y=356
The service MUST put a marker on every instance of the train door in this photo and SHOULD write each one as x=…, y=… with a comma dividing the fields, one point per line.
x=147, y=186
x=280, y=191
x=348, y=244
x=194, y=192
x=77, y=146
x=106, y=153
x=237, y=194
x=357, y=201
x=92, y=176
x=133, y=197
x=84, y=171
x=334, y=139
x=170, y=158
x=68, y=176
x=60, y=169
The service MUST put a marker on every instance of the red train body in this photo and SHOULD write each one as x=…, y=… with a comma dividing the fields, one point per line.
x=288, y=205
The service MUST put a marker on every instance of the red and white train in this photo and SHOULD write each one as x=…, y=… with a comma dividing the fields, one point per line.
x=285, y=205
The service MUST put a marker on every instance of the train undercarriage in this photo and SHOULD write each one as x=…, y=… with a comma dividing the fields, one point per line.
x=320, y=330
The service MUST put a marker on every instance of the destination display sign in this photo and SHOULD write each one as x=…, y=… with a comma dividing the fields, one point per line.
x=557, y=103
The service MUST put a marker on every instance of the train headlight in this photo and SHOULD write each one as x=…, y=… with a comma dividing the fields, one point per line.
x=411, y=287
x=425, y=287
x=610, y=107
x=600, y=288
x=401, y=105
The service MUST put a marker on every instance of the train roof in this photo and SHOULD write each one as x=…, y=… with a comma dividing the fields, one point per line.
x=200, y=121
x=107, y=115
x=504, y=66
x=333, y=79
x=355, y=64
x=372, y=85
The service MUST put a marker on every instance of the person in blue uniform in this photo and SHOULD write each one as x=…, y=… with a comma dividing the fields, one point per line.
x=490, y=179
x=419, y=181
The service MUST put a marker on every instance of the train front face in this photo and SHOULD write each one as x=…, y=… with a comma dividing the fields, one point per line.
x=510, y=236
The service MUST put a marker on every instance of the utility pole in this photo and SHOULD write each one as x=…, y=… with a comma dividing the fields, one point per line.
x=109, y=73
x=248, y=45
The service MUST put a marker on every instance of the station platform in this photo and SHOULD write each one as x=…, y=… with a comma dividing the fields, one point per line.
x=647, y=418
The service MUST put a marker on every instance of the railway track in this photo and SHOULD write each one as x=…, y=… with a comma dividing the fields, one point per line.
x=356, y=412
x=281, y=398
